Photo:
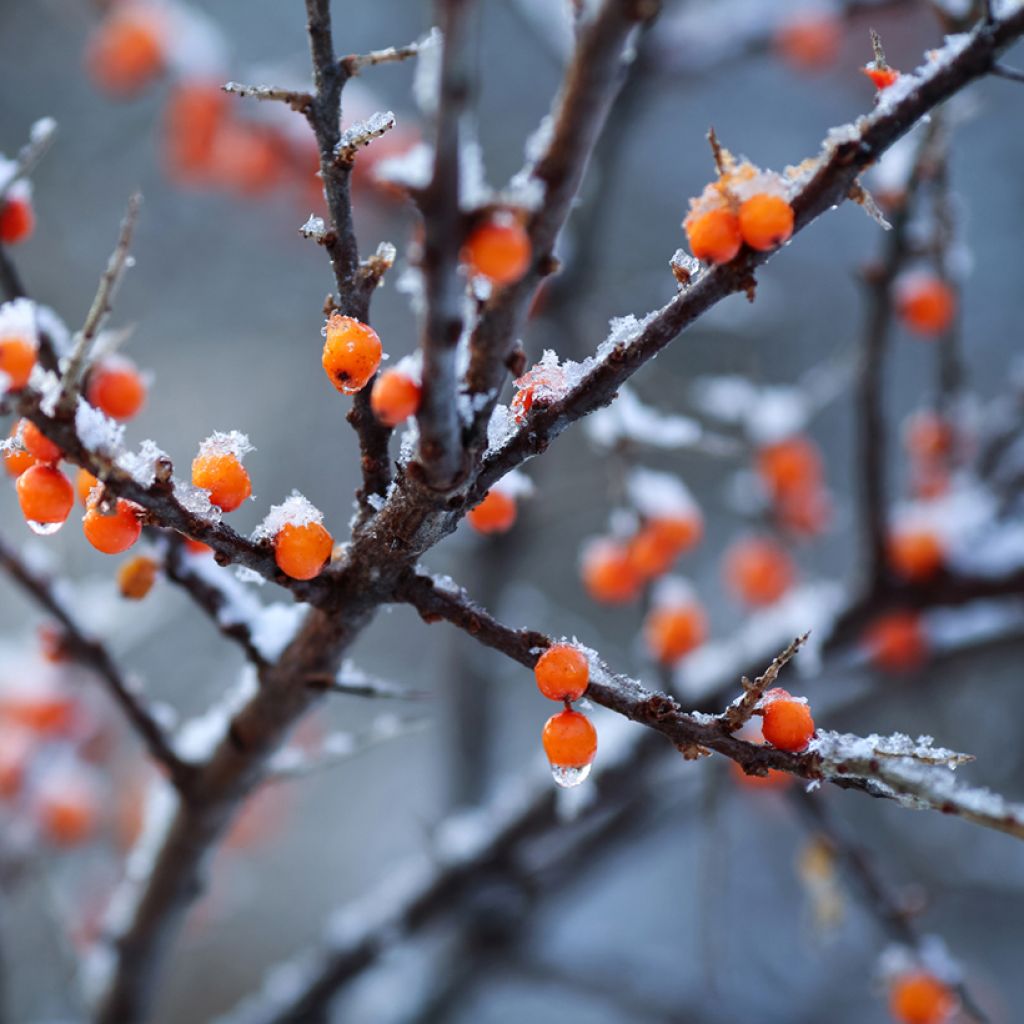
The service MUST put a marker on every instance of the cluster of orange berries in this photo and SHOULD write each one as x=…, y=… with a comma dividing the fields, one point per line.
x=570, y=740
x=743, y=206
x=792, y=475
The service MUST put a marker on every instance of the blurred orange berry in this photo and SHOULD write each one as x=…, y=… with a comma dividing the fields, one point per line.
x=758, y=570
x=195, y=112
x=809, y=42
x=920, y=998
x=916, y=554
x=674, y=630
x=247, y=158
x=928, y=436
x=395, y=397
x=126, y=50
x=498, y=249
x=896, y=641
x=495, y=514
x=116, y=388
x=608, y=572
x=17, y=358
x=67, y=808
x=135, y=578
x=788, y=466
x=926, y=304
x=16, y=747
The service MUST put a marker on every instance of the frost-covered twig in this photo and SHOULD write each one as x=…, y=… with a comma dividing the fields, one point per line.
x=298, y=100
x=40, y=138
x=440, y=442
x=742, y=709
x=94, y=655
x=99, y=310
x=356, y=62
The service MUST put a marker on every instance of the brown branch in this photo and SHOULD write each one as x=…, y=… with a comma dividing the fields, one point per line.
x=741, y=710
x=440, y=442
x=298, y=100
x=1011, y=74
x=357, y=62
x=10, y=279
x=94, y=655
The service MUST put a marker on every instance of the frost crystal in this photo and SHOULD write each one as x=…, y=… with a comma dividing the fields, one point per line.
x=98, y=432
x=426, y=84
x=500, y=428
x=295, y=510
x=629, y=419
x=18, y=319
x=314, y=228
x=196, y=501
x=362, y=133
x=141, y=466
x=234, y=442
x=622, y=330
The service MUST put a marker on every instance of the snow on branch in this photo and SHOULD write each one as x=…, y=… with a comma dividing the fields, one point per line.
x=298, y=100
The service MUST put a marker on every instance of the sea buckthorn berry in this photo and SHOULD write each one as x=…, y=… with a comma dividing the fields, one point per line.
x=116, y=388
x=45, y=710
x=920, y=998
x=538, y=386
x=916, y=554
x=714, y=236
x=224, y=476
x=928, y=436
x=896, y=641
x=805, y=513
x=45, y=494
x=302, y=550
x=608, y=572
x=68, y=808
x=247, y=158
x=789, y=466
x=570, y=741
x=766, y=221
x=681, y=532
x=758, y=570
x=495, y=514
x=38, y=444
x=498, y=249
x=17, y=220
x=135, y=578
x=926, y=304
x=562, y=672
x=395, y=397
x=17, y=460
x=85, y=484
x=195, y=113
x=809, y=42
x=112, y=533
x=16, y=746
x=787, y=724
x=126, y=51
x=17, y=357
x=649, y=555
x=352, y=353
x=881, y=77
x=674, y=630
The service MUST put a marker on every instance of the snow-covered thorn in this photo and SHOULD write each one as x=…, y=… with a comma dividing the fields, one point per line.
x=863, y=198
x=296, y=99
x=361, y=134
x=740, y=711
x=314, y=228
x=373, y=268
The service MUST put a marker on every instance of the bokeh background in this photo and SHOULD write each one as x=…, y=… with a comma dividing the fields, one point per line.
x=698, y=912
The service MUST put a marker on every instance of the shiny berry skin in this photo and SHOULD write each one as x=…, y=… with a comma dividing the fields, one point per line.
x=499, y=250
x=112, y=533
x=896, y=641
x=135, y=578
x=758, y=571
x=45, y=494
x=38, y=444
x=395, y=397
x=116, y=388
x=352, y=353
x=608, y=572
x=881, y=77
x=787, y=724
x=570, y=741
x=17, y=221
x=562, y=672
x=495, y=514
x=789, y=466
x=920, y=998
x=926, y=304
x=85, y=483
x=673, y=631
x=916, y=555
x=714, y=236
x=302, y=550
x=224, y=476
x=125, y=52
x=17, y=357
x=766, y=221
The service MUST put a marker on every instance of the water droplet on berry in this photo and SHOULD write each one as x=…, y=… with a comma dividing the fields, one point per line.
x=567, y=777
x=43, y=529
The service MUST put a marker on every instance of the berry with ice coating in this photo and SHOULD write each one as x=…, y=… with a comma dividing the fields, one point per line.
x=218, y=469
x=570, y=741
x=302, y=550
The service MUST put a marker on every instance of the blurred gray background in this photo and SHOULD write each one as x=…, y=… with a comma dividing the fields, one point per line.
x=226, y=300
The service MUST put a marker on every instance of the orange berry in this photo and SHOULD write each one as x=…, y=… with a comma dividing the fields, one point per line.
x=125, y=51
x=301, y=551
x=38, y=444
x=608, y=572
x=498, y=249
x=805, y=513
x=495, y=514
x=68, y=809
x=247, y=158
x=896, y=641
x=758, y=570
x=787, y=724
x=916, y=554
x=926, y=304
x=395, y=397
x=674, y=630
x=766, y=221
x=197, y=547
x=16, y=460
x=112, y=533
x=540, y=384
x=116, y=388
x=920, y=998
x=649, y=554
x=224, y=476
x=194, y=116
x=882, y=77
x=45, y=494
x=562, y=672
x=17, y=220
x=15, y=753
x=789, y=466
x=714, y=236
x=680, y=532
x=928, y=436
x=135, y=578
x=46, y=710
x=17, y=357
x=85, y=482
x=570, y=741
x=352, y=353
x=809, y=42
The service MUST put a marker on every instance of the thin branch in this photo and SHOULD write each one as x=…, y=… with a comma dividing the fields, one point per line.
x=742, y=709
x=357, y=62
x=1012, y=74
x=354, y=682
x=95, y=656
x=10, y=279
x=298, y=100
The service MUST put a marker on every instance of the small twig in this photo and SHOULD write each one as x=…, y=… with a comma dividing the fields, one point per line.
x=354, y=682
x=99, y=311
x=361, y=134
x=356, y=62
x=876, y=49
x=297, y=99
x=741, y=710
x=721, y=161
x=94, y=655
x=1011, y=74
x=40, y=138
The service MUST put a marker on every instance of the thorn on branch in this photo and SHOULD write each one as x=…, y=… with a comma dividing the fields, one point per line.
x=741, y=710
x=362, y=134
x=298, y=100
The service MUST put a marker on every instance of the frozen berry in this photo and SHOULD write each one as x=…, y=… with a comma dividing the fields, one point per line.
x=787, y=724
x=222, y=474
x=352, y=353
x=570, y=741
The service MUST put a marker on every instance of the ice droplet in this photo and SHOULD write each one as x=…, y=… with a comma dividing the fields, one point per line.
x=567, y=777
x=44, y=529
